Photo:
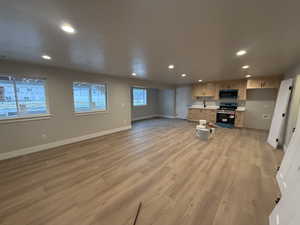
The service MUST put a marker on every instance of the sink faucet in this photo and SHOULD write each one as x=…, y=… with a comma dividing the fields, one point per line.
x=204, y=102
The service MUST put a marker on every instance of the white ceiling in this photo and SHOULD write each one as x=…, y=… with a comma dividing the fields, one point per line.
x=118, y=37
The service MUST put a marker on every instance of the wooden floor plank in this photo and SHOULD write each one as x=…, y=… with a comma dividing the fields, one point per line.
x=228, y=180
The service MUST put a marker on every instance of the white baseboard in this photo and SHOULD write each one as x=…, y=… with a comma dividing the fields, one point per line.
x=153, y=116
x=167, y=116
x=145, y=117
x=180, y=117
x=38, y=148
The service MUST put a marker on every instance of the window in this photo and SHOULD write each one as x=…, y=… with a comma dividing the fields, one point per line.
x=139, y=96
x=22, y=97
x=89, y=97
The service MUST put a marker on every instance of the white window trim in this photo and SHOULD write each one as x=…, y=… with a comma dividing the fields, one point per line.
x=146, y=97
x=91, y=112
x=28, y=117
x=15, y=119
x=140, y=105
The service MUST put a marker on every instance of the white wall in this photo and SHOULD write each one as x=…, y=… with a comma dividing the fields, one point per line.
x=183, y=101
x=260, y=106
x=149, y=110
x=64, y=123
x=166, y=102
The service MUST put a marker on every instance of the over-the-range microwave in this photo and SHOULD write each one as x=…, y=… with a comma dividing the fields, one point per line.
x=229, y=93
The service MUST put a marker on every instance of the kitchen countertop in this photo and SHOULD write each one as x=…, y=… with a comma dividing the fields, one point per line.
x=239, y=109
x=202, y=107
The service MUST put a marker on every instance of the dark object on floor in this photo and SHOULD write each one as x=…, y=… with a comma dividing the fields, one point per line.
x=277, y=200
x=137, y=213
x=211, y=125
x=225, y=125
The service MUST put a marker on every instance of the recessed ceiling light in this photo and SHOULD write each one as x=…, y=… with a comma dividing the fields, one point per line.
x=171, y=67
x=199, y=80
x=183, y=75
x=246, y=67
x=47, y=57
x=248, y=75
x=133, y=74
x=68, y=28
x=241, y=52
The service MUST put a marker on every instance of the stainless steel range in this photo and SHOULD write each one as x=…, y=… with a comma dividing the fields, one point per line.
x=226, y=113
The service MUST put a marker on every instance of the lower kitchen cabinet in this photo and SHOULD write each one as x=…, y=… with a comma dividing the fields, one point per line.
x=211, y=115
x=202, y=114
x=195, y=114
x=239, y=119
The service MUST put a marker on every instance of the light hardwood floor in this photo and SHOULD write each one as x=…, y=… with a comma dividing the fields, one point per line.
x=180, y=179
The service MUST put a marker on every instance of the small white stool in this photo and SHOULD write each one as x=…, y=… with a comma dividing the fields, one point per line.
x=202, y=124
x=205, y=133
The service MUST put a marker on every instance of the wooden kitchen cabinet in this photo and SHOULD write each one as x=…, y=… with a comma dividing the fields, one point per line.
x=253, y=84
x=211, y=115
x=195, y=114
x=230, y=84
x=266, y=82
x=239, y=85
x=271, y=83
x=197, y=90
x=239, y=119
x=242, y=95
x=202, y=114
x=210, y=89
x=204, y=90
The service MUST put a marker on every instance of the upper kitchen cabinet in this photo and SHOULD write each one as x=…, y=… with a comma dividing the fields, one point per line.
x=231, y=84
x=197, y=90
x=239, y=85
x=265, y=82
x=204, y=90
x=242, y=95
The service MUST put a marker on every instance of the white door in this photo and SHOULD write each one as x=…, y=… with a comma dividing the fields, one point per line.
x=183, y=101
x=290, y=166
x=280, y=112
x=287, y=211
x=287, y=208
x=295, y=220
x=291, y=176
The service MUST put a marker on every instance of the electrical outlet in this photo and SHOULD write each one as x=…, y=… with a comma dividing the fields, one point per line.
x=44, y=136
x=266, y=116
